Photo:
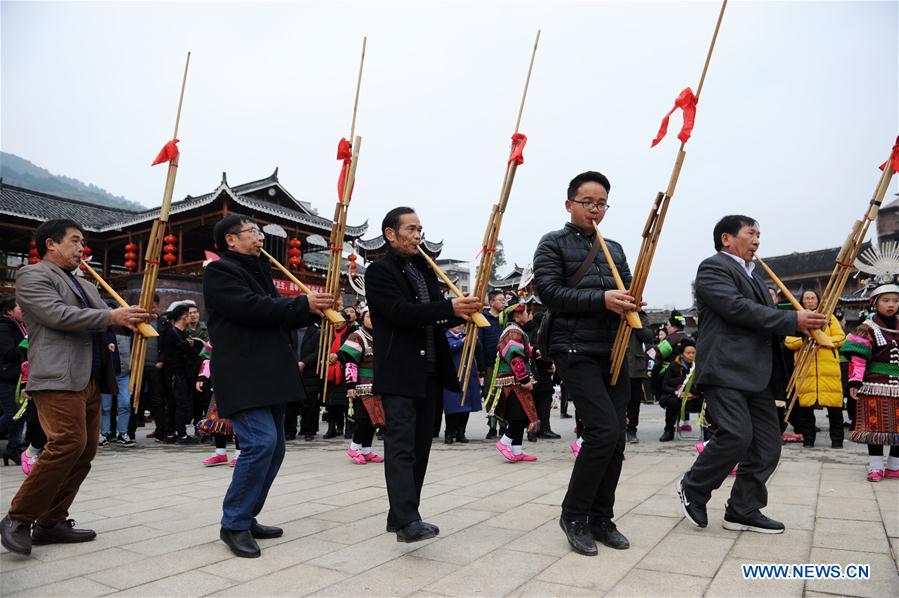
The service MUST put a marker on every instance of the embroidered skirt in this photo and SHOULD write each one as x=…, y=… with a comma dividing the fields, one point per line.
x=877, y=415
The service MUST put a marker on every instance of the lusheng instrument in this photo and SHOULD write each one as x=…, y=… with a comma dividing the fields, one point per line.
x=491, y=234
x=332, y=315
x=840, y=275
x=817, y=334
x=153, y=254
x=348, y=153
x=478, y=318
x=632, y=317
x=653, y=228
x=145, y=329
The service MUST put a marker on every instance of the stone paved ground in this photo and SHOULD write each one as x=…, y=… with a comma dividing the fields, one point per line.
x=156, y=511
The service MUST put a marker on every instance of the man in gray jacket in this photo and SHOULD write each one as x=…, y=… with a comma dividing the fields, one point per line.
x=68, y=368
x=740, y=368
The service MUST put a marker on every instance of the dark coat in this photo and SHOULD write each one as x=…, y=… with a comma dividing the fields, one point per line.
x=10, y=356
x=254, y=364
x=637, y=359
x=309, y=356
x=580, y=321
x=399, y=321
x=740, y=330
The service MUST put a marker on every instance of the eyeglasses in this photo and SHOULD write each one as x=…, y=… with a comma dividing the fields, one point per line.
x=252, y=230
x=592, y=205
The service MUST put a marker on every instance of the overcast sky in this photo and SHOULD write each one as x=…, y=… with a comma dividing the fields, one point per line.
x=799, y=107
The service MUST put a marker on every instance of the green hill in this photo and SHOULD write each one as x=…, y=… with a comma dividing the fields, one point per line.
x=22, y=173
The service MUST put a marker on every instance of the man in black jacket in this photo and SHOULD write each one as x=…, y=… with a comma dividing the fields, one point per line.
x=310, y=407
x=585, y=311
x=412, y=363
x=254, y=370
x=740, y=367
x=179, y=358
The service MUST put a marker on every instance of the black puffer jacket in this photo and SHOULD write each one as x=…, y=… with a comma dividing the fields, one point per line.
x=580, y=321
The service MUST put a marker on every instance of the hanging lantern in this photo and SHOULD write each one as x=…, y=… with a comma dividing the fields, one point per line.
x=169, y=250
x=352, y=257
x=86, y=253
x=33, y=257
x=131, y=256
x=294, y=254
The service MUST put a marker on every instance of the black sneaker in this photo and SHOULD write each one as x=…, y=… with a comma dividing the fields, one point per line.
x=667, y=436
x=579, y=536
x=632, y=437
x=188, y=440
x=491, y=433
x=124, y=440
x=607, y=532
x=693, y=511
x=754, y=522
x=104, y=441
x=171, y=439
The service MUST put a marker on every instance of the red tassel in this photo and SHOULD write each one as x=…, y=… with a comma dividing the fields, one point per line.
x=168, y=152
x=686, y=101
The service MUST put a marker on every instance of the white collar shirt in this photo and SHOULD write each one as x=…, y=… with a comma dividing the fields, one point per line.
x=747, y=268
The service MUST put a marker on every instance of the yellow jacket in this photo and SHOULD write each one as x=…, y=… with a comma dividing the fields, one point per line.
x=822, y=386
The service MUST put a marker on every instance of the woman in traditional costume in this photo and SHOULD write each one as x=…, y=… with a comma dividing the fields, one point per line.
x=366, y=409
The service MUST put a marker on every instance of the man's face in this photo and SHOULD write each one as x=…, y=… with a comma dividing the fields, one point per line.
x=744, y=244
x=67, y=253
x=366, y=320
x=498, y=303
x=247, y=239
x=670, y=329
x=193, y=316
x=589, y=206
x=350, y=315
x=407, y=236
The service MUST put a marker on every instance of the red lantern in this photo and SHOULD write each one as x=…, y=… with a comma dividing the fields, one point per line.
x=352, y=257
x=131, y=247
x=131, y=256
x=131, y=265
x=33, y=257
x=86, y=252
x=170, y=258
x=294, y=261
x=295, y=243
x=170, y=239
x=294, y=252
x=169, y=250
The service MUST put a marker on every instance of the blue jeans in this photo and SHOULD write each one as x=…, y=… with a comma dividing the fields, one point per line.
x=123, y=411
x=261, y=433
x=13, y=428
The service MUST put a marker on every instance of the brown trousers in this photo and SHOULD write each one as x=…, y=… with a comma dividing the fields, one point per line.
x=71, y=421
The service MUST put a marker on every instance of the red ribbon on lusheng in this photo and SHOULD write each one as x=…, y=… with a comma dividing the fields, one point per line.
x=894, y=158
x=517, y=154
x=168, y=152
x=686, y=101
x=345, y=153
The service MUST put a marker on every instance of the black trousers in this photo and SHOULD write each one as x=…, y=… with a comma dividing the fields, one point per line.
x=748, y=433
x=543, y=400
x=804, y=423
x=601, y=410
x=150, y=399
x=310, y=410
x=457, y=422
x=291, y=415
x=363, y=429
x=179, y=403
x=638, y=393
x=407, y=446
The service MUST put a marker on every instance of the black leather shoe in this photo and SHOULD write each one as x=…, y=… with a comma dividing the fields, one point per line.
x=565, y=416
x=754, y=522
x=693, y=511
x=460, y=437
x=391, y=529
x=491, y=434
x=667, y=436
x=241, y=543
x=63, y=532
x=265, y=532
x=416, y=532
x=550, y=435
x=606, y=532
x=579, y=536
x=449, y=438
x=532, y=437
x=309, y=437
x=837, y=444
x=15, y=535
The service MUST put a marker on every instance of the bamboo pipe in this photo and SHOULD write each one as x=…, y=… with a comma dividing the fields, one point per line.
x=145, y=329
x=478, y=318
x=332, y=315
x=817, y=334
x=632, y=317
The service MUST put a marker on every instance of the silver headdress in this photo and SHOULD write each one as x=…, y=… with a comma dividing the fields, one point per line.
x=882, y=263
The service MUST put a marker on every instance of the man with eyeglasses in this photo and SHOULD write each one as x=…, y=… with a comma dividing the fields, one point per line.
x=255, y=370
x=585, y=309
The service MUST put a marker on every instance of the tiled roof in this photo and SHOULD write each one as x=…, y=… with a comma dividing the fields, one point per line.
x=378, y=242
x=809, y=262
x=34, y=205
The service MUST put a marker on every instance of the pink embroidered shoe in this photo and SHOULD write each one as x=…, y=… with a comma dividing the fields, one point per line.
x=575, y=448
x=891, y=473
x=28, y=463
x=685, y=428
x=215, y=460
x=875, y=475
x=525, y=457
x=373, y=458
x=233, y=462
x=356, y=457
x=505, y=451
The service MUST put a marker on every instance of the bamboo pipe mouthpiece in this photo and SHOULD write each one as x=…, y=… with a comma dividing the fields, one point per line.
x=332, y=315
x=144, y=329
x=817, y=334
x=478, y=318
x=632, y=317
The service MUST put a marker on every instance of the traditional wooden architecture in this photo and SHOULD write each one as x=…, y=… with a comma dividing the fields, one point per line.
x=116, y=236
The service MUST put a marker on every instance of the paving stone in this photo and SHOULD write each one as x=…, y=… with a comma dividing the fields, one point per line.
x=641, y=582
x=525, y=517
x=703, y=556
x=189, y=583
x=837, y=507
x=792, y=546
x=491, y=575
x=598, y=574
x=884, y=578
x=81, y=587
x=399, y=577
x=365, y=555
x=729, y=582
x=43, y=573
x=862, y=536
x=298, y=580
x=467, y=545
x=274, y=558
x=154, y=568
x=541, y=589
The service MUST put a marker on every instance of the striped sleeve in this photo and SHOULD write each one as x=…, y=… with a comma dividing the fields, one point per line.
x=352, y=350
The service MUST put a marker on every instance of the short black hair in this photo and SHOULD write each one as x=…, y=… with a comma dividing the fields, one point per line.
x=591, y=176
x=392, y=219
x=7, y=303
x=494, y=293
x=178, y=312
x=53, y=229
x=731, y=225
x=230, y=224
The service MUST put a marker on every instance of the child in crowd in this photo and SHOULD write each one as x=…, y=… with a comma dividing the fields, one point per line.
x=366, y=409
x=873, y=352
x=673, y=386
x=217, y=427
